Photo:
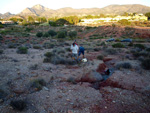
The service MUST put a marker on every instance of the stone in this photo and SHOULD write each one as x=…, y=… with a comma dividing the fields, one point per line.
x=101, y=68
x=91, y=77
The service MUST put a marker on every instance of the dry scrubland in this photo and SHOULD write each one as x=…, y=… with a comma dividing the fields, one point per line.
x=38, y=75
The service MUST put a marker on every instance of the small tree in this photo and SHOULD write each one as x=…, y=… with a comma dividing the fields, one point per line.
x=148, y=15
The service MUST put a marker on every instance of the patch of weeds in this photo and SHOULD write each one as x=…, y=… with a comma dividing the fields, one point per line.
x=12, y=45
x=48, y=45
x=141, y=53
x=34, y=67
x=146, y=64
x=148, y=49
x=48, y=54
x=22, y=50
x=37, y=47
x=141, y=46
x=100, y=57
x=37, y=84
x=1, y=51
x=118, y=45
x=71, y=80
x=18, y=105
x=125, y=65
x=111, y=51
x=39, y=34
x=130, y=44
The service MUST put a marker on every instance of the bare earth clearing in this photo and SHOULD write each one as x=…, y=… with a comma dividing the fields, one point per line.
x=68, y=88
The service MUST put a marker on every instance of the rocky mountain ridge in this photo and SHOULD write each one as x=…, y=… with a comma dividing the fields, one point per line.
x=39, y=10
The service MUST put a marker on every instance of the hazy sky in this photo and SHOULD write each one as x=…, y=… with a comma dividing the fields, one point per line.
x=16, y=6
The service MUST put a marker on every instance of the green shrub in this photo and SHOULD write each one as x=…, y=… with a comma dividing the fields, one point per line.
x=141, y=46
x=124, y=22
x=28, y=29
x=37, y=47
x=52, y=33
x=18, y=104
x=146, y=64
x=49, y=54
x=38, y=84
x=22, y=50
x=111, y=51
x=1, y=38
x=72, y=34
x=39, y=34
x=118, y=45
x=48, y=45
x=148, y=49
x=130, y=44
x=46, y=34
x=61, y=34
x=1, y=51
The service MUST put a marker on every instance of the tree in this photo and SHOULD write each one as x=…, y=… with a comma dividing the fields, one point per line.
x=124, y=22
x=148, y=15
x=30, y=19
x=52, y=23
x=61, y=21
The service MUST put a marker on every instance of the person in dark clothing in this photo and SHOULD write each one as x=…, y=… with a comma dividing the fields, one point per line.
x=81, y=51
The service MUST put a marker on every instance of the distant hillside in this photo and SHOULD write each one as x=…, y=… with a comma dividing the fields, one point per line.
x=39, y=10
x=6, y=15
x=119, y=9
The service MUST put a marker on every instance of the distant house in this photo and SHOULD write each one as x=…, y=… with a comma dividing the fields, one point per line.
x=137, y=17
x=7, y=22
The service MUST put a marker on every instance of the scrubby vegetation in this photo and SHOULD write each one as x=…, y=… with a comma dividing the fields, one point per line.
x=22, y=50
x=118, y=45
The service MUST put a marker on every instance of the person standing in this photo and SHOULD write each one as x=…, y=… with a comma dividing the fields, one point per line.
x=74, y=49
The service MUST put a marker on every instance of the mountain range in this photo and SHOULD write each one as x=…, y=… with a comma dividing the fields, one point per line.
x=39, y=10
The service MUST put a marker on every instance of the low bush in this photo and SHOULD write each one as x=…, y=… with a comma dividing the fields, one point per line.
x=37, y=47
x=38, y=84
x=130, y=44
x=28, y=29
x=46, y=34
x=148, y=49
x=61, y=34
x=72, y=34
x=1, y=51
x=146, y=64
x=141, y=46
x=111, y=51
x=1, y=38
x=18, y=105
x=48, y=45
x=118, y=45
x=49, y=54
x=22, y=50
x=52, y=33
x=39, y=34
x=125, y=65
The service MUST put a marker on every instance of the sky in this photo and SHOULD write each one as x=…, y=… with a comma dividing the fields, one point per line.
x=16, y=6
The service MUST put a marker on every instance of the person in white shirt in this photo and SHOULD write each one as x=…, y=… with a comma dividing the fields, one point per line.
x=74, y=50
